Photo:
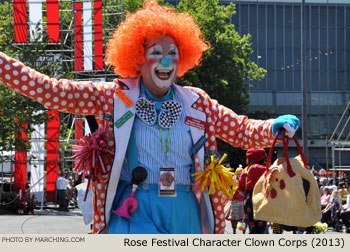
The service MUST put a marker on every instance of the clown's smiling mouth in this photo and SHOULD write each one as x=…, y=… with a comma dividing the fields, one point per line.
x=163, y=74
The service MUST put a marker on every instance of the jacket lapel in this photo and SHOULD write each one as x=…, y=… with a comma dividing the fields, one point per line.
x=188, y=99
x=121, y=137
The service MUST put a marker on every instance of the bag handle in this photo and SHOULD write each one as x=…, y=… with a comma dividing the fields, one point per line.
x=285, y=141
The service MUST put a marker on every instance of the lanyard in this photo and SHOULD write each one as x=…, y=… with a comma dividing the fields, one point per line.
x=165, y=145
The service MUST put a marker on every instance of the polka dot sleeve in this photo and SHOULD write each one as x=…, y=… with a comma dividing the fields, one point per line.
x=63, y=95
x=237, y=130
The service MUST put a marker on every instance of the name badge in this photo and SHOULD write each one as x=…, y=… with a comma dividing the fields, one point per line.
x=197, y=146
x=193, y=122
x=108, y=117
x=122, y=96
x=123, y=119
x=166, y=183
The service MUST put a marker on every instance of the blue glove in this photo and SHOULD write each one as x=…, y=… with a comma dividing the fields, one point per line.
x=289, y=122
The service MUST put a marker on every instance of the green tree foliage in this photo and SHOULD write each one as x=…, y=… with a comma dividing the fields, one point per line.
x=227, y=63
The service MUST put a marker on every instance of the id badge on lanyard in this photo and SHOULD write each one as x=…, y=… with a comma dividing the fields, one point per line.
x=166, y=184
x=166, y=187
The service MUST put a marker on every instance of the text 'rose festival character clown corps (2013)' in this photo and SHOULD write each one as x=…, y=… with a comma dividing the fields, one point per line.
x=149, y=123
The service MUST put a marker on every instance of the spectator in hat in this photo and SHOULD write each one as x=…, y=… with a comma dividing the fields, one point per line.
x=249, y=177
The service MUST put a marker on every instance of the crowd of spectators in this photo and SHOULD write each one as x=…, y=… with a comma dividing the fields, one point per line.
x=335, y=200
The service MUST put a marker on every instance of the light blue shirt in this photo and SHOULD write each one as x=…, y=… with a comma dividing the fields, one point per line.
x=150, y=149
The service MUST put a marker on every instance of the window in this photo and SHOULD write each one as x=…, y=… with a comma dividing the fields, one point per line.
x=279, y=38
x=288, y=80
x=331, y=38
x=288, y=99
x=253, y=15
x=323, y=80
x=270, y=80
x=262, y=58
x=279, y=15
x=340, y=38
x=332, y=81
x=315, y=60
x=279, y=59
x=341, y=81
x=314, y=37
x=340, y=17
x=297, y=80
x=261, y=99
x=270, y=15
x=340, y=60
x=280, y=80
x=323, y=39
x=261, y=15
x=297, y=16
x=288, y=16
x=297, y=37
x=244, y=14
x=323, y=17
x=270, y=57
x=314, y=16
x=297, y=59
x=270, y=37
x=314, y=81
x=288, y=37
x=331, y=60
x=262, y=37
x=331, y=16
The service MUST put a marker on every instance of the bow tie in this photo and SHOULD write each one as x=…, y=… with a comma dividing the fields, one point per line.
x=169, y=113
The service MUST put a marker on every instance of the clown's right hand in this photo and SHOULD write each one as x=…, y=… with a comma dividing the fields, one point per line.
x=289, y=122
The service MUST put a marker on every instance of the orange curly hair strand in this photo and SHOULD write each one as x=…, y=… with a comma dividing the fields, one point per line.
x=125, y=51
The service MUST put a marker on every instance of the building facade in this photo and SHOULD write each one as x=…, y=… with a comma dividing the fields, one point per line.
x=275, y=29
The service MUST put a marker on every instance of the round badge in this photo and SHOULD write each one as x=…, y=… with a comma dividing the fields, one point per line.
x=167, y=179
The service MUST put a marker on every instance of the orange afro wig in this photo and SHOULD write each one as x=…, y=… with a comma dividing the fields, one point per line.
x=125, y=51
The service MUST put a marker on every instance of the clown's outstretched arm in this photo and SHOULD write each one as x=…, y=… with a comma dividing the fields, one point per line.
x=63, y=95
x=239, y=130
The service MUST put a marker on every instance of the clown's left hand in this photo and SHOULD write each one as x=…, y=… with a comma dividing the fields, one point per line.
x=289, y=122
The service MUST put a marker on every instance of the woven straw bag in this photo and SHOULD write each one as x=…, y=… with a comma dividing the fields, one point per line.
x=287, y=193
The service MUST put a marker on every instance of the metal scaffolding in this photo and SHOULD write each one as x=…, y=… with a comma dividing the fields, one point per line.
x=62, y=52
x=340, y=141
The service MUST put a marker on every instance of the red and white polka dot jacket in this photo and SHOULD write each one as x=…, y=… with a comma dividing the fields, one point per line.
x=87, y=98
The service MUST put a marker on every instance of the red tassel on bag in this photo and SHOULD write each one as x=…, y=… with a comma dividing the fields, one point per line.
x=88, y=155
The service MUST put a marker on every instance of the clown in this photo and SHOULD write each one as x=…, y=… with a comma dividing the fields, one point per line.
x=250, y=176
x=152, y=123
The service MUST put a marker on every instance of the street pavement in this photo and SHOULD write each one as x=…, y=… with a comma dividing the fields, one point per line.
x=51, y=221
x=47, y=221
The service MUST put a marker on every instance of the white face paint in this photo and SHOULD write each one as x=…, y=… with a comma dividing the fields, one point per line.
x=158, y=73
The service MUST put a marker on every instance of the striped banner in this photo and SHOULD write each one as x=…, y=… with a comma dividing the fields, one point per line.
x=20, y=171
x=35, y=20
x=20, y=21
x=38, y=164
x=78, y=37
x=53, y=21
x=79, y=125
x=98, y=35
x=53, y=154
x=87, y=35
